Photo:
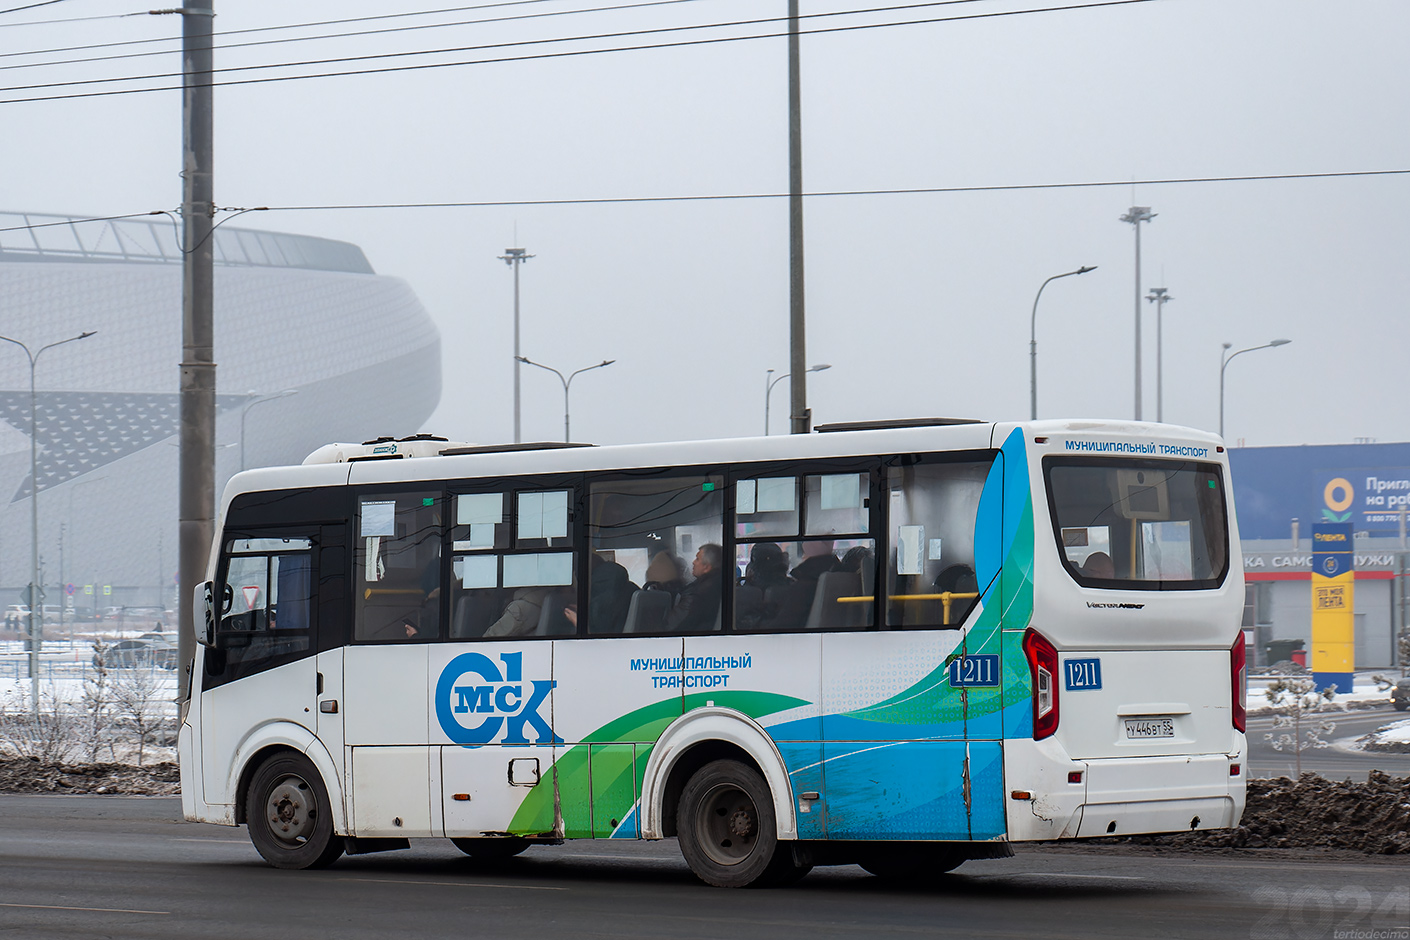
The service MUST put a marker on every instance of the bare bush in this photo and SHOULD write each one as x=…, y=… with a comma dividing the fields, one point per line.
x=1293, y=699
x=96, y=720
x=46, y=736
x=137, y=698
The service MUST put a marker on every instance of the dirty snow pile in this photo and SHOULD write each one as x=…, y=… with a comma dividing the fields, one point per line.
x=1313, y=812
x=26, y=775
x=1393, y=738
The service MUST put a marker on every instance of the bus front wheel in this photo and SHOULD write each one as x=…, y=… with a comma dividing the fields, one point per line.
x=727, y=830
x=287, y=811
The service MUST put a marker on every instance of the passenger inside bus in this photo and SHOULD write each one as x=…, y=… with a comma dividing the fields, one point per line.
x=697, y=607
x=1099, y=565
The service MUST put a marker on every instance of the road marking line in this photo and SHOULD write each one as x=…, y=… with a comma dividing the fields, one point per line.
x=96, y=910
x=1063, y=874
x=616, y=858
x=452, y=884
x=221, y=841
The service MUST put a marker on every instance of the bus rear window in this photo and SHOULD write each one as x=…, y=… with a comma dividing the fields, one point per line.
x=1139, y=524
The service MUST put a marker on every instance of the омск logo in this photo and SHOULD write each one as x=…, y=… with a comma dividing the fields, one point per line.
x=475, y=701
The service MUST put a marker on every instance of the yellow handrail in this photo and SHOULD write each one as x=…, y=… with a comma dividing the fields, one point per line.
x=944, y=598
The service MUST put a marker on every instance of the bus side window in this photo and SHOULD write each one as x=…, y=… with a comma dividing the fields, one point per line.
x=932, y=507
x=513, y=568
x=398, y=567
x=659, y=566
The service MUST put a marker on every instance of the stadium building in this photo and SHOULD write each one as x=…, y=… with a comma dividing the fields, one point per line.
x=311, y=346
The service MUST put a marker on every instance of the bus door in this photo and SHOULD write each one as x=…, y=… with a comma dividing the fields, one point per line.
x=266, y=605
x=512, y=589
x=331, y=593
x=396, y=580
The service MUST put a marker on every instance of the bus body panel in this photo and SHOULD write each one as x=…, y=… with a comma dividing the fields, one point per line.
x=237, y=714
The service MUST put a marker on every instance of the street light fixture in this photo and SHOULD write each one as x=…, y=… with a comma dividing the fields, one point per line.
x=1227, y=357
x=257, y=399
x=769, y=387
x=35, y=607
x=1033, y=341
x=567, y=437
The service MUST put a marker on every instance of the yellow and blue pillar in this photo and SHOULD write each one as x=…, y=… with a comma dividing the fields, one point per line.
x=1333, y=606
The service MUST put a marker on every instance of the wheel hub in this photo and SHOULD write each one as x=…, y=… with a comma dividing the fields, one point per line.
x=741, y=824
x=290, y=810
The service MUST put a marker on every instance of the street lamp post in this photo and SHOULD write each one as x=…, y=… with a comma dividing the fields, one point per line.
x=257, y=399
x=1227, y=357
x=35, y=619
x=1033, y=341
x=515, y=258
x=1160, y=297
x=769, y=387
x=1136, y=215
x=567, y=434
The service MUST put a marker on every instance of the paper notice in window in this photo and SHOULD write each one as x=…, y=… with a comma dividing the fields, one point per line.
x=778, y=494
x=935, y=549
x=744, y=497
x=479, y=571
x=910, y=549
x=379, y=518
x=842, y=491
x=530, y=516
x=479, y=509
x=555, y=514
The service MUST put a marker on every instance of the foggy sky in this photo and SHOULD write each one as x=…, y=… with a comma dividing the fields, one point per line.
x=921, y=303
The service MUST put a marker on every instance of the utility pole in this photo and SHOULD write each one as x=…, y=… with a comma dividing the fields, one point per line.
x=197, y=496
x=1136, y=215
x=1160, y=297
x=514, y=257
x=801, y=418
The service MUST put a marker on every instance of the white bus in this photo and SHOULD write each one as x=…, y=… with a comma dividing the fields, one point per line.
x=899, y=646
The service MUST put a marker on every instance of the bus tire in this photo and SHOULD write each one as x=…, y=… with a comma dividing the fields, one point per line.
x=913, y=864
x=727, y=832
x=289, y=814
x=489, y=850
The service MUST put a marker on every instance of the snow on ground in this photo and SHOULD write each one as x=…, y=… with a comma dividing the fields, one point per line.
x=1364, y=692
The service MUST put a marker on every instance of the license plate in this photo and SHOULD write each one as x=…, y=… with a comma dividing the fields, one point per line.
x=1150, y=727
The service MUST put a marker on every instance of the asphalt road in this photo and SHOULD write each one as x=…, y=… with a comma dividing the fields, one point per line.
x=1334, y=763
x=75, y=866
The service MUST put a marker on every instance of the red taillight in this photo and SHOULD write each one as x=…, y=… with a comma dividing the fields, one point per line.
x=1043, y=664
x=1238, y=682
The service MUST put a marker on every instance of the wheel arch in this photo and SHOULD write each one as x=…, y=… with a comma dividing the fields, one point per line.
x=271, y=739
x=694, y=740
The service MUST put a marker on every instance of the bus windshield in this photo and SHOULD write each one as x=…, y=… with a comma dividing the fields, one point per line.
x=1139, y=524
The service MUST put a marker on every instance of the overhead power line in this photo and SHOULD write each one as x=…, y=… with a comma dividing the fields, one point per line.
x=719, y=197
x=289, y=39
x=31, y=6
x=447, y=49
x=713, y=40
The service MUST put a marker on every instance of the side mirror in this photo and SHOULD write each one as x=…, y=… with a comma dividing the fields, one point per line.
x=203, y=613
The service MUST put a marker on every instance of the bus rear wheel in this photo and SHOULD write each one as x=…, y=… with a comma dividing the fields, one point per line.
x=489, y=850
x=287, y=811
x=727, y=831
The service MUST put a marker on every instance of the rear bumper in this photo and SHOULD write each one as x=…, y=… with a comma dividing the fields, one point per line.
x=1118, y=796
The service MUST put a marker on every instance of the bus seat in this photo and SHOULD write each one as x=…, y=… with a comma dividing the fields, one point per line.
x=826, y=611
x=552, y=620
x=647, y=612
x=748, y=607
x=474, y=612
